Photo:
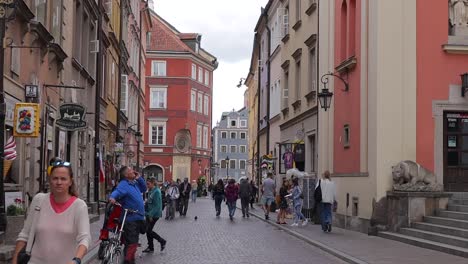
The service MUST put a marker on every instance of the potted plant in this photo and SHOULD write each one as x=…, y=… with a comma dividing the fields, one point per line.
x=15, y=220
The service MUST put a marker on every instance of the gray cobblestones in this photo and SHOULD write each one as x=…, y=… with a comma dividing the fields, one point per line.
x=218, y=240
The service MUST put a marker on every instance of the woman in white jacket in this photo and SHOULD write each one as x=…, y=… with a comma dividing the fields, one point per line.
x=328, y=198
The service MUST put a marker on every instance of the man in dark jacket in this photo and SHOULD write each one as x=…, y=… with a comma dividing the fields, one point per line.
x=245, y=191
x=185, y=189
x=129, y=193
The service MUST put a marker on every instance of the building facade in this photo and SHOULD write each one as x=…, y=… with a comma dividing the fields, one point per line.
x=231, y=145
x=252, y=109
x=178, y=110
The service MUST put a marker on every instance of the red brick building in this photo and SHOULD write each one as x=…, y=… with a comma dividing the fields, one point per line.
x=178, y=96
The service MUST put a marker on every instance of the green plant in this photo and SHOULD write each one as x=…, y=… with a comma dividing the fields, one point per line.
x=11, y=210
x=16, y=208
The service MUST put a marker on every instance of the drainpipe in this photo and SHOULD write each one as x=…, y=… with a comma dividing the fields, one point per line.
x=258, y=111
x=317, y=141
x=97, y=109
x=268, y=87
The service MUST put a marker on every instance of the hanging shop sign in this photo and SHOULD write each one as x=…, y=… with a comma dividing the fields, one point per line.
x=71, y=117
x=26, y=120
x=31, y=91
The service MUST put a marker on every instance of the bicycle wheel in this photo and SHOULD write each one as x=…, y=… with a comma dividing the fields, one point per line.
x=108, y=251
x=115, y=256
x=102, y=249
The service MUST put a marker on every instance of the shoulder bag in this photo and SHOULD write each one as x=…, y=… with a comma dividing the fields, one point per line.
x=318, y=193
x=25, y=254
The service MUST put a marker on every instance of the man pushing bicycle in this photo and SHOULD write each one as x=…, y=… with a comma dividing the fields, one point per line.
x=129, y=193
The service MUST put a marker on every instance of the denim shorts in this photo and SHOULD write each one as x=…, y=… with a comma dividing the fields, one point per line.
x=267, y=200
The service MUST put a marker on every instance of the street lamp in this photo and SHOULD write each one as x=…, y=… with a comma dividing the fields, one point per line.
x=6, y=11
x=240, y=82
x=325, y=95
x=227, y=167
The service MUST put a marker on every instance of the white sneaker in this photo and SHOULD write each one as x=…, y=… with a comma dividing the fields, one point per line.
x=295, y=224
x=304, y=223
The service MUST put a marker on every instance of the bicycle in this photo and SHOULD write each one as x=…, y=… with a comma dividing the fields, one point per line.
x=113, y=248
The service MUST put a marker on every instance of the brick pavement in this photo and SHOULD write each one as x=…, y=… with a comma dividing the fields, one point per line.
x=366, y=249
x=218, y=240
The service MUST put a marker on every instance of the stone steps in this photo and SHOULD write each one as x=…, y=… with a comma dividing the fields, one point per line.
x=443, y=229
x=452, y=214
x=436, y=237
x=424, y=243
x=458, y=208
x=446, y=221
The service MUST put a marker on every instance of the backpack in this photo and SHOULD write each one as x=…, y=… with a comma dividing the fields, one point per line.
x=318, y=193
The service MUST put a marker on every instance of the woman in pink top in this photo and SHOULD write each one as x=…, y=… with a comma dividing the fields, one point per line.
x=59, y=220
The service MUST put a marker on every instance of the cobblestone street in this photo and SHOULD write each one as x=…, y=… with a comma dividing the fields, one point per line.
x=218, y=240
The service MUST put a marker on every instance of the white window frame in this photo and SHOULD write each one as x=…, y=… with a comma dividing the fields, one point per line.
x=243, y=123
x=221, y=149
x=194, y=71
x=150, y=134
x=232, y=161
x=199, y=135
x=240, y=149
x=245, y=164
x=240, y=135
x=156, y=70
x=231, y=147
x=158, y=89
x=230, y=123
x=193, y=100
x=200, y=102
x=124, y=94
x=200, y=74
x=205, y=137
x=207, y=78
x=225, y=133
x=206, y=104
x=15, y=60
x=221, y=164
x=230, y=135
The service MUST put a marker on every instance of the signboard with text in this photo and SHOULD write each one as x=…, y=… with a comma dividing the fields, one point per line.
x=71, y=117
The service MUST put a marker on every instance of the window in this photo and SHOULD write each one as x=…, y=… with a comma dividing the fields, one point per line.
x=242, y=149
x=298, y=10
x=205, y=137
x=41, y=11
x=346, y=136
x=298, y=80
x=158, y=133
x=193, y=100
x=343, y=27
x=206, y=105
x=243, y=123
x=56, y=20
x=224, y=134
x=233, y=123
x=352, y=28
x=233, y=135
x=242, y=164
x=223, y=149
x=232, y=164
x=200, y=102
x=312, y=71
x=243, y=135
x=199, y=135
x=158, y=68
x=158, y=98
x=233, y=149
x=15, y=60
x=200, y=74
x=194, y=71
x=223, y=164
x=285, y=89
x=148, y=40
x=124, y=94
x=286, y=21
x=207, y=78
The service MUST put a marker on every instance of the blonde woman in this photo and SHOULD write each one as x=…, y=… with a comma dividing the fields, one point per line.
x=328, y=198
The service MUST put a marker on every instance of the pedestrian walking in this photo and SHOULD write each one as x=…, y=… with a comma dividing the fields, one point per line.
x=57, y=227
x=194, y=191
x=185, y=190
x=328, y=190
x=129, y=193
x=268, y=194
x=172, y=195
x=177, y=205
x=283, y=204
x=253, y=194
x=245, y=193
x=298, y=199
x=218, y=196
x=153, y=213
x=231, y=192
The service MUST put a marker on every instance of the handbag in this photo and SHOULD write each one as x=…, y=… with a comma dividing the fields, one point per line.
x=318, y=193
x=25, y=254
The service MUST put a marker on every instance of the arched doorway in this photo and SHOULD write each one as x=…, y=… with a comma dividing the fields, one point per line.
x=154, y=171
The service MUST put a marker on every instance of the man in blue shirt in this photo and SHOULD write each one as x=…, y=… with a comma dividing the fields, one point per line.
x=129, y=193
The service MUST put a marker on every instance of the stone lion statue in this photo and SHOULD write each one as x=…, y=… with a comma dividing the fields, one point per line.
x=410, y=176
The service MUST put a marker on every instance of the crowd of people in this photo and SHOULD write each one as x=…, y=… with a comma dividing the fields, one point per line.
x=57, y=228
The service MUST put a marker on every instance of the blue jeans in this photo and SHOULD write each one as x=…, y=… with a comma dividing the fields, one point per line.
x=194, y=195
x=298, y=212
x=325, y=214
x=232, y=208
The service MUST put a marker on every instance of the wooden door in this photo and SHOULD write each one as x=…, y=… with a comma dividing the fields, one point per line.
x=456, y=152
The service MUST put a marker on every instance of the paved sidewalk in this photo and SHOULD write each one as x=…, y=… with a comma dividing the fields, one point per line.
x=95, y=228
x=355, y=247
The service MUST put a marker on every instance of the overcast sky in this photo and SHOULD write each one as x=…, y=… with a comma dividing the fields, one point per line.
x=227, y=29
